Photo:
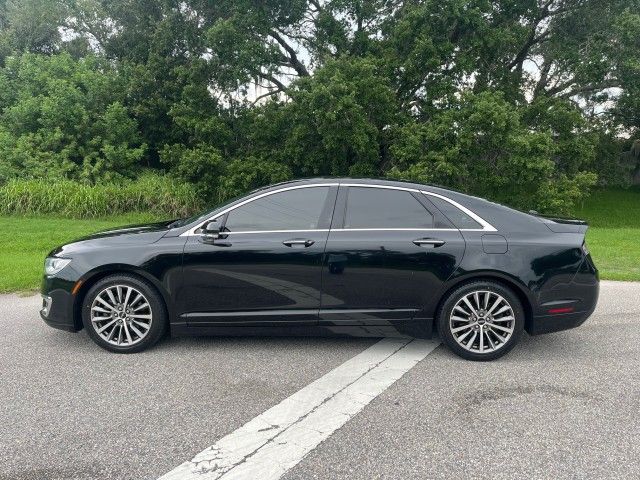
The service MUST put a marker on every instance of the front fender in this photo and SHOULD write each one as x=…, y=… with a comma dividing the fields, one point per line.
x=91, y=277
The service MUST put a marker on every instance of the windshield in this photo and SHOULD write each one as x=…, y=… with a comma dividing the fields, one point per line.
x=181, y=222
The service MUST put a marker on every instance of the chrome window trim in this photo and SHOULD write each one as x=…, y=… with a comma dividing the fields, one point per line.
x=372, y=185
x=486, y=226
x=192, y=232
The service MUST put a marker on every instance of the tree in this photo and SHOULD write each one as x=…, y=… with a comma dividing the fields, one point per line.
x=62, y=117
x=335, y=123
x=485, y=95
x=483, y=146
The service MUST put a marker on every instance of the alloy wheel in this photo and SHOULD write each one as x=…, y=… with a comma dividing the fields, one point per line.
x=121, y=315
x=482, y=321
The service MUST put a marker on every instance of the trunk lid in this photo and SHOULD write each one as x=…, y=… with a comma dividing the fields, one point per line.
x=563, y=225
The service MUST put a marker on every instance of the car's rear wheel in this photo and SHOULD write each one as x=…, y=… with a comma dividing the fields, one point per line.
x=481, y=320
x=124, y=314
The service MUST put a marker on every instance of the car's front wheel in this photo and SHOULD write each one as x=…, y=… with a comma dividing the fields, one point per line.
x=481, y=320
x=124, y=314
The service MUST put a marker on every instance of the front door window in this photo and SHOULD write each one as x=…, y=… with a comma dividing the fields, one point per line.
x=291, y=210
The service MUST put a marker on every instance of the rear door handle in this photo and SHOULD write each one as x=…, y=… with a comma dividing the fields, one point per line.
x=429, y=241
x=298, y=242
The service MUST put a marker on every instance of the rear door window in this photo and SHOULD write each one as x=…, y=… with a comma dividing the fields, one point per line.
x=379, y=208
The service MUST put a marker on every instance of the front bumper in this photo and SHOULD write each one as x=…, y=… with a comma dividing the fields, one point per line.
x=58, y=304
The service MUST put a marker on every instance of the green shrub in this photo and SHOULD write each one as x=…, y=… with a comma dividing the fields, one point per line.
x=151, y=193
x=67, y=118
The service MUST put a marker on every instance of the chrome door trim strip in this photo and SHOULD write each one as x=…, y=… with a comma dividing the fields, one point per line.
x=252, y=232
x=250, y=313
x=417, y=229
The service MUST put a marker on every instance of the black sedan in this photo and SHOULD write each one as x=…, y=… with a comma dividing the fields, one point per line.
x=329, y=257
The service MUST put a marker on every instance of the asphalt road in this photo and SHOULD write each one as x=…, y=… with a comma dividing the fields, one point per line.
x=564, y=405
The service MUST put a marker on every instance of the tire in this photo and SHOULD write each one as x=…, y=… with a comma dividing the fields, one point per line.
x=485, y=328
x=124, y=314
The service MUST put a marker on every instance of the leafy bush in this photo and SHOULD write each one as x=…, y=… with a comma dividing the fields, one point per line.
x=614, y=163
x=242, y=176
x=151, y=193
x=484, y=146
x=66, y=118
x=200, y=166
x=216, y=181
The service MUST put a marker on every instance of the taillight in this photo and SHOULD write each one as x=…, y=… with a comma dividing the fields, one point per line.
x=585, y=250
x=555, y=311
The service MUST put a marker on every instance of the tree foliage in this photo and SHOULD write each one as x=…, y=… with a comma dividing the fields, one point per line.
x=522, y=101
x=61, y=117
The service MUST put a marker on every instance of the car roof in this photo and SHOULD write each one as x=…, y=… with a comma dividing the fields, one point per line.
x=364, y=181
x=453, y=194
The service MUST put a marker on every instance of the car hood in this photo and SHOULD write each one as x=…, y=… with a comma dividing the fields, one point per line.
x=138, y=234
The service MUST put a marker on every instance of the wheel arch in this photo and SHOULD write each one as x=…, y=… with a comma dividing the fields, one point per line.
x=518, y=289
x=94, y=276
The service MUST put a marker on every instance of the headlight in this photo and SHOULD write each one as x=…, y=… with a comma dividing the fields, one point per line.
x=53, y=265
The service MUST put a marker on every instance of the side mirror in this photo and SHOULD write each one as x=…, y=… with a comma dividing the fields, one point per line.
x=211, y=231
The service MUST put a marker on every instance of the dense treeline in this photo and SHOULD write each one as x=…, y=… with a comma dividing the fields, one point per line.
x=529, y=102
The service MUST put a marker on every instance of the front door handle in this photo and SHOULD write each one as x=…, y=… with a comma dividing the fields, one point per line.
x=298, y=242
x=429, y=241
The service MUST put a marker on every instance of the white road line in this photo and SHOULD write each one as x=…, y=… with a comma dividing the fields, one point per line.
x=275, y=441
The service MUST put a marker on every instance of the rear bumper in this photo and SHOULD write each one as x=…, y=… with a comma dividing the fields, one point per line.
x=583, y=297
x=556, y=323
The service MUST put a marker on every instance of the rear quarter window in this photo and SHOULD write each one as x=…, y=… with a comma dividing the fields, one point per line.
x=459, y=218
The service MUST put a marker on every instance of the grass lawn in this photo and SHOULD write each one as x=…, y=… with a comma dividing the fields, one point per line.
x=613, y=238
x=25, y=241
x=614, y=232
x=616, y=252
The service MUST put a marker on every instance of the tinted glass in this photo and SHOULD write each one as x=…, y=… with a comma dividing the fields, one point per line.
x=453, y=213
x=298, y=209
x=385, y=208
